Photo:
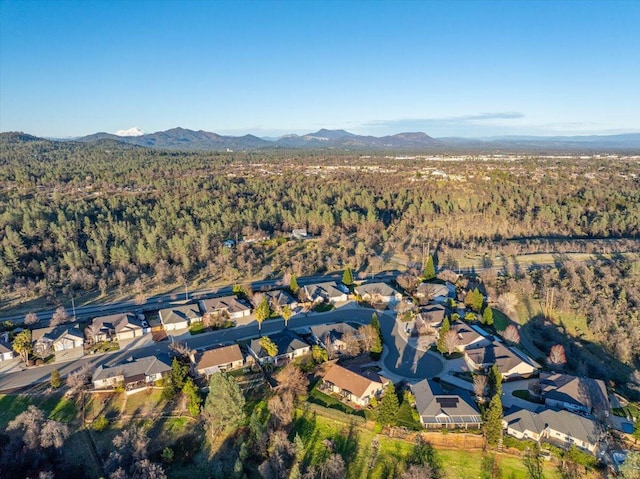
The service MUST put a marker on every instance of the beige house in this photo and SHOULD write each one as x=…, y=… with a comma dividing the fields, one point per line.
x=575, y=394
x=120, y=326
x=134, y=374
x=224, y=358
x=332, y=336
x=378, y=293
x=561, y=428
x=358, y=388
x=469, y=337
x=180, y=317
x=58, y=339
x=6, y=352
x=225, y=305
x=439, y=408
x=511, y=363
x=325, y=292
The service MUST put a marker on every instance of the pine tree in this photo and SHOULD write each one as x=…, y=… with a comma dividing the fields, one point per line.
x=293, y=284
x=193, y=397
x=495, y=380
x=388, y=406
x=487, y=316
x=347, y=277
x=442, y=336
x=376, y=347
x=429, y=270
x=56, y=380
x=493, y=421
x=224, y=406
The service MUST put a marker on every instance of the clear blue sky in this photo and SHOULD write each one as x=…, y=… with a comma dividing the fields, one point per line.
x=448, y=68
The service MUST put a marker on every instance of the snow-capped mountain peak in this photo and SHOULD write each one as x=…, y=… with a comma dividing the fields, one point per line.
x=135, y=131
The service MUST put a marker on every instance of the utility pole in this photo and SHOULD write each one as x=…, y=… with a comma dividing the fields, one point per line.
x=186, y=292
x=73, y=305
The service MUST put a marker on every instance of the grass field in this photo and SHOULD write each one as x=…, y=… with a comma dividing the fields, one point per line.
x=54, y=406
x=500, y=320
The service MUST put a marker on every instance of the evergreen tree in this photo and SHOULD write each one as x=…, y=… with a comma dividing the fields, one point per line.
x=269, y=346
x=429, y=269
x=442, y=336
x=347, y=277
x=193, y=397
x=286, y=314
x=487, y=316
x=56, y=380
x=293, y=284
x=495, y=380
x=474, y=300
x=224, y=406
x=493, y=421
x=376, y=347
x=388, y=406
x=262, y=312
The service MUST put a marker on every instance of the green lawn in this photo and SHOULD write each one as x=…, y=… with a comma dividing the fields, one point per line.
x=197, y=328
x=406, y=417
x=323, y=307
x=526, y=395
x=54, y=406
x=500, y=320
x=318, y=397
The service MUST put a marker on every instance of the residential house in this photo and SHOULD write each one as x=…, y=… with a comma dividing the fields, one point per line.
x=378, y=293
x=469, y=337
x=180, y=317
x=432, y=315
x=63, y=340
x=6, y=352
x=575, y=394
x=439, y=408
x=436, y=292
x=229, y=306
x=325, y=292
x=288, y=343
x=512, y=363
x=331, y=336
x=357, y=387
x=223, y=358
x=121, y=326
x=278, y=299
x=134, y=374
x=299, y=233
x=561, y=428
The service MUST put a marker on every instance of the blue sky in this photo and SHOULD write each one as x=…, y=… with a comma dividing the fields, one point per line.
x=448, y=68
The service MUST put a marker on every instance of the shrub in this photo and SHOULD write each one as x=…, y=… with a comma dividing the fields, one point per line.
x=100, y=424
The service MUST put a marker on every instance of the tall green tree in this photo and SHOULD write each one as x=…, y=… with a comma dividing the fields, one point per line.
x=442, y=336
x=347, y=277
x=56, y=380
x=389, y=405
x=474, y=300
x=533, y=462
x=293, y=284
x=262, y=312
x=376, y=346
x=269, y=346
x=286, y=314
x=22, y=344
x=429, y=272
x=224, y=406
x=487, y=316
x=495, y=380
x=190, y=390
x=493, y=421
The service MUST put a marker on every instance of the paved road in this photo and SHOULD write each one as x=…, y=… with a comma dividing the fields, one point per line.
x=166, y=300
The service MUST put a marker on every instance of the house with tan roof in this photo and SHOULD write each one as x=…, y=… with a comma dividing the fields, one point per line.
x=358, y=388
x=229, y=306
x=220, y=359
x=512, y=364
x=332, y=336
x=436, y=292
x=65, y=340
x=469, y=337
x=378, y=293
x=180, y=317
x=278, y=299
x=439, y=408
x=288, y=344
x=325, y=292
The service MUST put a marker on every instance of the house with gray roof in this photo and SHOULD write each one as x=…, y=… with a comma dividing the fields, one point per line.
x=278, y=299
x=65, y=340
x=436, y=292
x=325, y=292
x=575, y=394
x=513, y=364
x=331, y=336
x=121, y=326
x=180, y=317
x=440, y=408
x=469, y=337
x=378, y=293
x=560, y=428
x=6, y=353
x=289, y=344
x=134, y=373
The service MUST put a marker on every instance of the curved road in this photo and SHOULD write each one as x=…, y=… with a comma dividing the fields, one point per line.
x=400, y=359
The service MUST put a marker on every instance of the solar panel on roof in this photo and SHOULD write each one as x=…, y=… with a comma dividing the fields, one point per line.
x=447, y=402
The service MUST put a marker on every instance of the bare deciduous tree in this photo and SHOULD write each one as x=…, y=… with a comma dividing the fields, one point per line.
x=92, y=331
x=480, y=385
x=60, y=316
x=351, y=344
x=77, y=379
x=53, y=433
x=180, y=349
x=292, y=379
x=451, y=340
x=31, y=318
x=418, y=471
x=511, y=334
x=333, y=468
x=367, y=337
x=282, y=407
x=557, y=356
x=38, y=431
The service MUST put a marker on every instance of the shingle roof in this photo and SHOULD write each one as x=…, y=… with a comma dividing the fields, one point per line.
x=435, y=405
x=279, y=297
x=383, y=289
x=348, y=380
x=286, y=342
x=133, y=368
x=118, y=322
x=218, y=356
x=228, y=303
x=498, y=353
x=179, y=314
x=323, y=290
x=434, y=290
x=591, y=393
x=432, y=314
x=335, y=331
x=5, y=348
x=56, y=332
x=466, y=334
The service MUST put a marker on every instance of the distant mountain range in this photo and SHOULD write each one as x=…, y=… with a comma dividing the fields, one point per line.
x=184, y=139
